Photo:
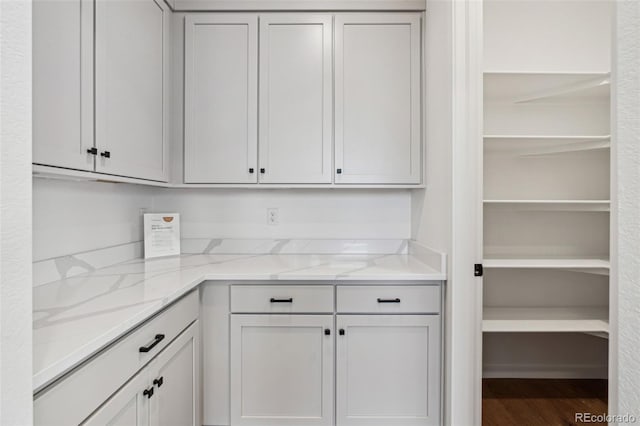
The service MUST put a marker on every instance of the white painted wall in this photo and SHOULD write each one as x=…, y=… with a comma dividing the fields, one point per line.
x=15, y=213
x=310, y=213
x=76, y=216
x=625, y=277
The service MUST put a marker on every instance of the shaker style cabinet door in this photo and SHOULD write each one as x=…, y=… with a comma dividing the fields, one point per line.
x=282, y=370
x=175, y=375
x=378, y=98
x=387, y=370
x=63, y=83
x=131, y=86
x=295, y=98
x=127, y=407
x=221, y=95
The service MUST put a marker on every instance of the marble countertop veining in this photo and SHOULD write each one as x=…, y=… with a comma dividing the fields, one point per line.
x=76, y=317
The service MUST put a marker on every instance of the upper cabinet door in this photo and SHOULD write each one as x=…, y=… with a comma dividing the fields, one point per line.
x=221, y=77
x=63, y=83
x=131, y=67
x=378, y=98
x=295, y=98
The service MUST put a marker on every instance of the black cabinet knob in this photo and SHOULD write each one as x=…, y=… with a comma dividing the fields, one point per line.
x=341, y=332
x=148, y=392
x=339, y=171
x=92, y=151
x=251, y=170
x=159, y=381
x=262, y=170
x=105, y=154
x=327, y=332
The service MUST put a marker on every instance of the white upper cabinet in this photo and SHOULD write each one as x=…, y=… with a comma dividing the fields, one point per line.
x=221, y=77
x=295, y=98
x=131, y=65
x=378, y=98
x=63, y=83
x=261, y=105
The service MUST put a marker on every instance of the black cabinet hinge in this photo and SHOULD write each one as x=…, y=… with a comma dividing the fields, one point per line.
x=478, y=270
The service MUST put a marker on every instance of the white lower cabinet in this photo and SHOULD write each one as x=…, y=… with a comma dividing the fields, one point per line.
x=165, y=392
x=128, y=407
x=289, y=365
x=282, y=370
x=150, y=376
x=388, y=370
x=175, y=374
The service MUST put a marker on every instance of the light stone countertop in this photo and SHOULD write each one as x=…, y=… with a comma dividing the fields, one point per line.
x=76, y=317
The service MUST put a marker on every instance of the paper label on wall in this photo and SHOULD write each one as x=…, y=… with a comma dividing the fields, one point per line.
x=161, y=235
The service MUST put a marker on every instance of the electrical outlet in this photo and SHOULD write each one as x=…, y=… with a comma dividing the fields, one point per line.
x=272, y=217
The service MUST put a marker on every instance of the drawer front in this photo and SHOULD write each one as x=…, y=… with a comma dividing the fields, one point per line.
x=282, y=299
x=76, y=396
x=388, y=299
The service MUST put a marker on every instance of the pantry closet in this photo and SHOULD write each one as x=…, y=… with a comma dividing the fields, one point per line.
x=546, y=189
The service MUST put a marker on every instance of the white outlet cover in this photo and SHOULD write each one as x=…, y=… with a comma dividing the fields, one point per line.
x=273, y=216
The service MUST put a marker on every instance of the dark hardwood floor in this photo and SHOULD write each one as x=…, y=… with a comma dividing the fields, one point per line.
x=541, y=402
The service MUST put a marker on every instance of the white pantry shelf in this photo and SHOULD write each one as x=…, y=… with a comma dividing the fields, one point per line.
x=522, y=87
x=586, y=265
x=552, y=205
x=539, y=145
x=569, y=319
x=534, y=138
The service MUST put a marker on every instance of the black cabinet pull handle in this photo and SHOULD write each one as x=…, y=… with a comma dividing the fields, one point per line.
x=251, y=170
x=262, y=170
x=339, y=171
x=289, y=300
x=105, y=154
x=148, y=392
x=327, y=332
x=341, y=332
x=396, y=300
x=156, y=340
x=92, y=151
x=159, y=381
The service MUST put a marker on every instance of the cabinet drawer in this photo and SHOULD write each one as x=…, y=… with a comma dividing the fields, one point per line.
x=77, y=395
x=388, y=299
x=281, y=298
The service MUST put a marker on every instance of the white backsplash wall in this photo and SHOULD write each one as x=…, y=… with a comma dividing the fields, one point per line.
x=74, y=216
x=303, y=213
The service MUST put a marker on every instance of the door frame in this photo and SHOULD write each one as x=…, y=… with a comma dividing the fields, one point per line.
x=464, y=318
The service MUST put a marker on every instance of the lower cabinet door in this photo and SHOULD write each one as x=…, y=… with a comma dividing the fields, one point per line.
x=127, y=407
x=282, y=370
x=175, y=376
x=388, y=370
